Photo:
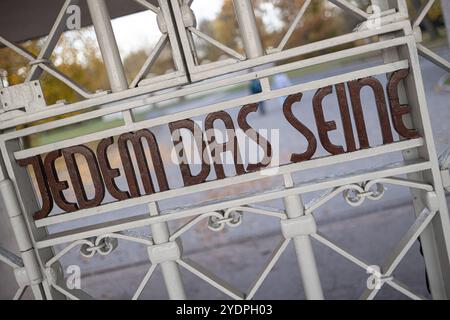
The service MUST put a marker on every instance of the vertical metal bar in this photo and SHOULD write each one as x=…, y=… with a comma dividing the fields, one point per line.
x=170, y=271
x=250, y=35
x=30, y=261
x=303, y=249
x=109, y=49
x=435, y=238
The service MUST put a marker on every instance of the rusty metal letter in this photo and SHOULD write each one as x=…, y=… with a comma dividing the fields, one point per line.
x=109, y=174
x=56, y=186
x=231, y=145
x=312, y=142
x=255, y=136
x=42, y=182
x=355, y=88
x=197, y=133
x=136, y=140
x=75, y=176
x=397, y=109
x=323, y=126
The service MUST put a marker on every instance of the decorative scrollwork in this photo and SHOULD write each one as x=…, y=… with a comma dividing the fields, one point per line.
x=101, y=245
x=356, y=194
x=231, y=218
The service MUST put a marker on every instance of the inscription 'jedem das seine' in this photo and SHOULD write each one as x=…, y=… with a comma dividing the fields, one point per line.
x=103, y=175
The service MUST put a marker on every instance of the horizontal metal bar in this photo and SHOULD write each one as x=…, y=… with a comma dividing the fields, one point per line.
x=302, y=50
x=144, y=220
x=55, y=111
x=285, y=169
x=199, y=111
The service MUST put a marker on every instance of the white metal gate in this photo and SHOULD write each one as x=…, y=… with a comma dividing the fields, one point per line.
x=397, y=37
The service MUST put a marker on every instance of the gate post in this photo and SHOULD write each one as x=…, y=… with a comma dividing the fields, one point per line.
x=109, y=49
x=435, y=239
x=31, y=267
x=169, y=268
x=299, y=226
x=245, y=16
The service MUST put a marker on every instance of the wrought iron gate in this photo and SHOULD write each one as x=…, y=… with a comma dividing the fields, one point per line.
x=396, y=36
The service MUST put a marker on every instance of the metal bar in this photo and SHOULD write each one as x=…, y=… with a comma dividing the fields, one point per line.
x=229, y=181
x=52, y=40
x=273, y=259
x=372, y=71
x=352, y=9
x=217, y=44
x=400, y=287
x=148, y=5
x=170, y=271
x=251, y=39
x=150, y=60
x=397, y=169
x=144, y=282
x=303, y=249
x=433, y=57
x=211, y=278
x=29, y=258
x=109, y=49
x=322, y=239
x=293, y=25
x=19, y=293
x=10, y=258
x=407, y=242
x=79, y=106
x=144, y=220
x=423, y=11
x=435, y=239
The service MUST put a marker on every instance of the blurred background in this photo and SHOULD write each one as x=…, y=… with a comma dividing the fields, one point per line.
x=236, y=254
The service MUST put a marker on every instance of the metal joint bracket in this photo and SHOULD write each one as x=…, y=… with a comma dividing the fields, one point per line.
x=168, y=251
x=22, y=277
x=431, y=201
x=26, y=96
x=189, y=19
x=301, y=226
x=161, y=22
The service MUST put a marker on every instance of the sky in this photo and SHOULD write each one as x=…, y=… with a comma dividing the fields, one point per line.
x=134, y=30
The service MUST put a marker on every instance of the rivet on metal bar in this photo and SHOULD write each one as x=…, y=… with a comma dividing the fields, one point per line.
x=300, y=226
x=169, y=251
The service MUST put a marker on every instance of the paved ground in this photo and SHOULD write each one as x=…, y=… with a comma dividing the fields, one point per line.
x=238, y=254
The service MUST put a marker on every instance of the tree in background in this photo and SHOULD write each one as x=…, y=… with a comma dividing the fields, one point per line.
x=83, y=63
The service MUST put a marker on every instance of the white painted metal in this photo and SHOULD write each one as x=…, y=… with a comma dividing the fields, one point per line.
x=38, y=265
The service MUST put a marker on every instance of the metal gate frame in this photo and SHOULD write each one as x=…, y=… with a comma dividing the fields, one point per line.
x=38, y=266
